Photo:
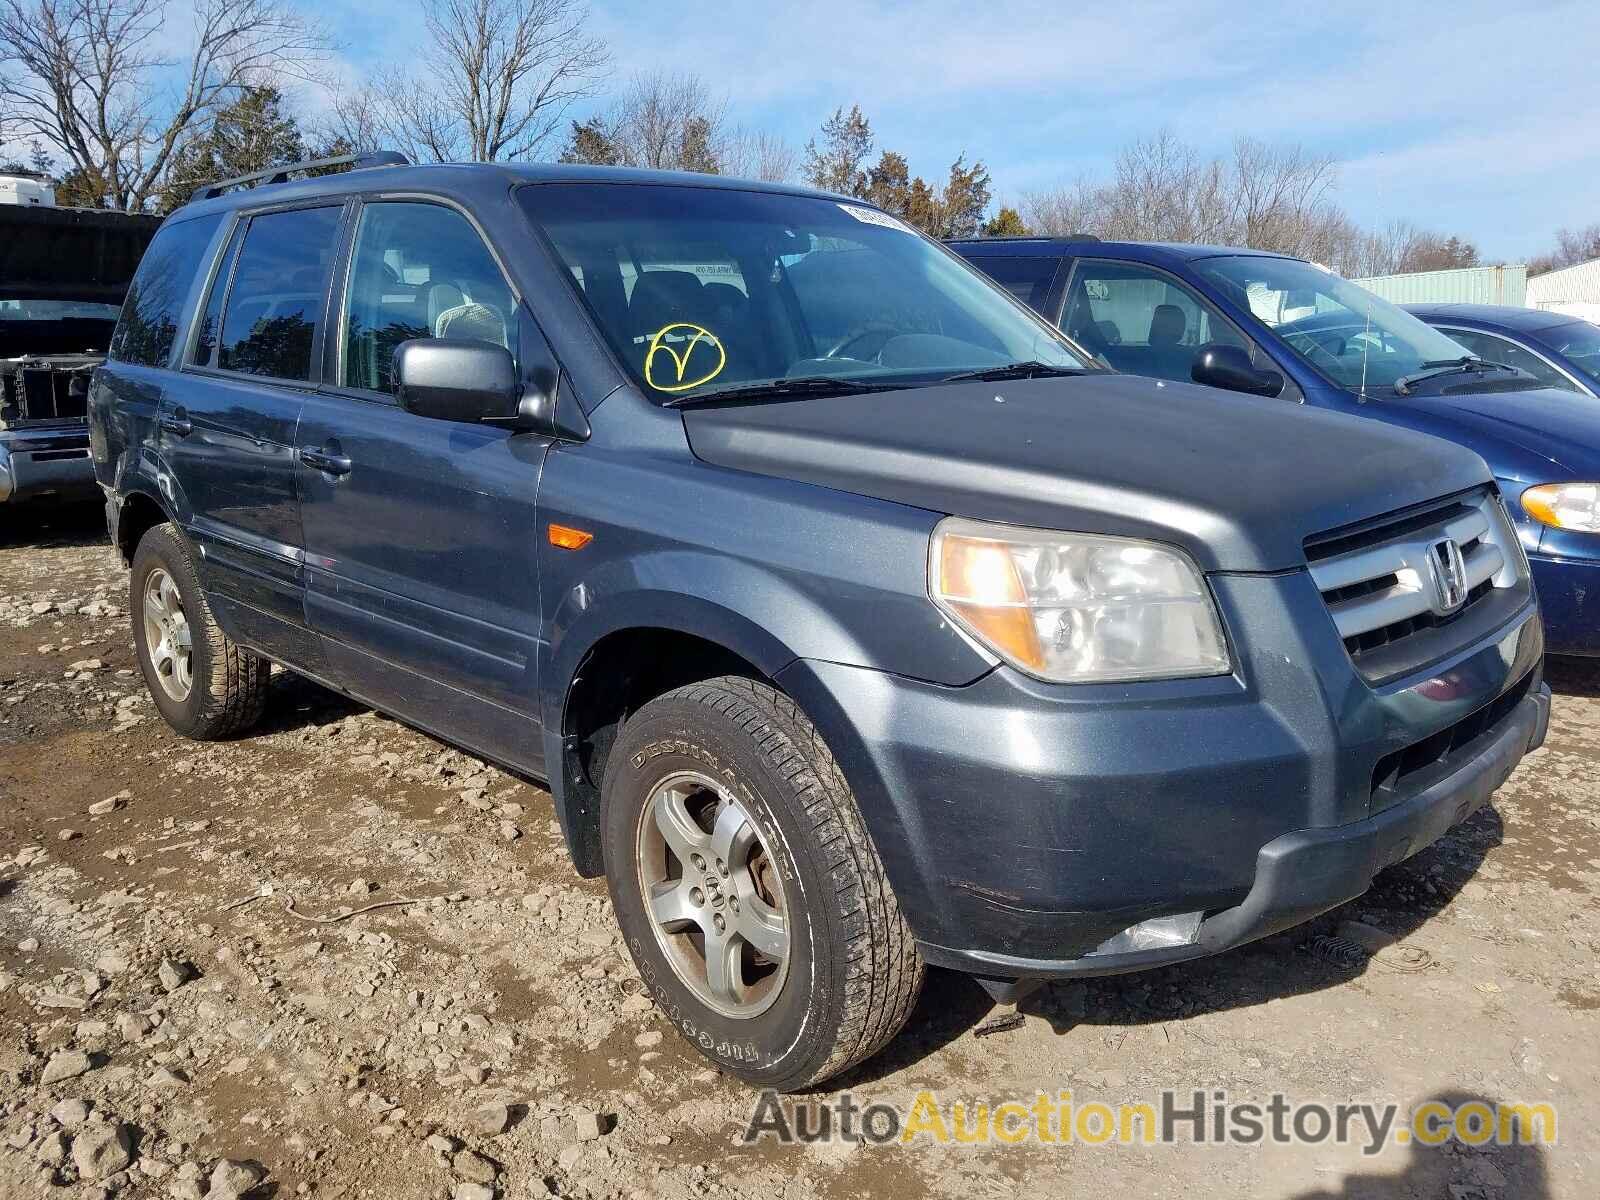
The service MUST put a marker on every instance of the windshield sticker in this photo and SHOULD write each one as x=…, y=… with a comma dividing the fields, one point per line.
x=871, y=216
x=698, y=347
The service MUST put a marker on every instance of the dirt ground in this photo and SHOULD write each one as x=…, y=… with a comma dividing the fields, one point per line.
x=494, y=1039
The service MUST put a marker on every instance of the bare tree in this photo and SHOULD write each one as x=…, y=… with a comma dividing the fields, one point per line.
x=1063, y=211
x=495, y=82
x=663, y=122
x=85, y=75
x=673, y=122
x=1573, y=246
x=1258, y=195
x=758, y=154
x=1278, y=194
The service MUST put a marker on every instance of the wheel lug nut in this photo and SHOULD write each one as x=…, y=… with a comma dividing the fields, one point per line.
x=722, y=868
x=697, y=895
x=733, y=903
x=699, y=863
x=720, y=922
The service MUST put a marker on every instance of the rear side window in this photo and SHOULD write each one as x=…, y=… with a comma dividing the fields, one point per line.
x=1028, y=279
x=150, y=314
x=274, y=305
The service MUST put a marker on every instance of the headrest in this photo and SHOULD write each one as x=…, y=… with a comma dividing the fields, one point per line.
x=1167, y=325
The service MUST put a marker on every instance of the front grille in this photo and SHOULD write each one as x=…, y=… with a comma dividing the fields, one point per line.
x=1389, y=581
x=1394, y=772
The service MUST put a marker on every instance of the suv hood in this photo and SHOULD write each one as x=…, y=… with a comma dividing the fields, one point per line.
x=1237, y=481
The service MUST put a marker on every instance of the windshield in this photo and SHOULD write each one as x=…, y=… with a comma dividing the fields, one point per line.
x=1580, y=342
x=57, y=310
x=703, y=290
x=1355, y=339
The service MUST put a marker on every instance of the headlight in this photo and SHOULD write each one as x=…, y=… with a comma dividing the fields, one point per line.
x=1565, y=505
x=1077, y=607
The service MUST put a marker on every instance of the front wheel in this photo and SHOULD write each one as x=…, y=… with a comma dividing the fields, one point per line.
x=204, y=685
x=747, y=888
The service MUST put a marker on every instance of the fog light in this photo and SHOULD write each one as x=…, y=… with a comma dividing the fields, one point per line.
x=1158, y=933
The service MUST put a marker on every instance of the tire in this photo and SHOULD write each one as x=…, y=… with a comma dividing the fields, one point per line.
x=743, y=763
x=226, y=685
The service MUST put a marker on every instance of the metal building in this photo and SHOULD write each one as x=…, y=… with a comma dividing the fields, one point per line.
x=1466, y=285
x=1574, y=290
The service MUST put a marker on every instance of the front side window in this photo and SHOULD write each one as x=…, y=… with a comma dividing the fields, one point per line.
x=418, y=271
x=1141, y=321
x=1498, y=349
x=698, y=290
x=1355, y=339
x=274, y=305
x=154, y=303
x=1579, y=342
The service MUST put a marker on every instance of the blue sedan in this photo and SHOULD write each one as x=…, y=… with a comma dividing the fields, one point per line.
x=1558, y=350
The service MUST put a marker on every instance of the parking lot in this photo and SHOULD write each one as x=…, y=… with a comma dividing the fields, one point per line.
x=372, y=1055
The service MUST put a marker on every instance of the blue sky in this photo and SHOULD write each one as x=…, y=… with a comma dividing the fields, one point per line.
x=1470, y=117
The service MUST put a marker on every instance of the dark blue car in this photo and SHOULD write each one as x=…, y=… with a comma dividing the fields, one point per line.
x=1559, y=350
x=1271, y=325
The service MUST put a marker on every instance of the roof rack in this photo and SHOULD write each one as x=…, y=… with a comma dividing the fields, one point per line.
x=356, y=162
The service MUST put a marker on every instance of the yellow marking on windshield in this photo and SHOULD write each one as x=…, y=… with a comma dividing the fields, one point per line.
x=698, y=336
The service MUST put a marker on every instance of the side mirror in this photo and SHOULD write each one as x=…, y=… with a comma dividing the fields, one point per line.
x=1223, y=366
x=452, y=379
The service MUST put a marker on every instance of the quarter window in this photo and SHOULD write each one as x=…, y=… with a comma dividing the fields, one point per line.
x=1140, y=321
x=155, y=300
x=1028, y=279
x=275, y=303
x=205, y=349
x=418, y=271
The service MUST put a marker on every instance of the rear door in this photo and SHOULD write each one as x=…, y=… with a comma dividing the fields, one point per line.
x=228, y=423
x=420, y=534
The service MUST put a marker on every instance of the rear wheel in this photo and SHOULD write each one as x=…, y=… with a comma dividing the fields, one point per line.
x=747, y=888
x=204, y=685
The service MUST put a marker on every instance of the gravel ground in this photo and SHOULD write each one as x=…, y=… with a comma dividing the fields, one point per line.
x=179, y=1016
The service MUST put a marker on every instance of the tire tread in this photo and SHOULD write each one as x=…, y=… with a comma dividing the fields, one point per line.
x=884, y=969
x=235, y=694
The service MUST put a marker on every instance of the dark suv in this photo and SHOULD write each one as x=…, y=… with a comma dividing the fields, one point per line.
x=855, y=622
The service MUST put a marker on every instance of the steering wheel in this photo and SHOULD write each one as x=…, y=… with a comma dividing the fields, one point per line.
x=862, y=333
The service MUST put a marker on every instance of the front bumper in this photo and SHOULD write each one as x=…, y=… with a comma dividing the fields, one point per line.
x=45, y=461
x=1569, y=601
x=1027, y=828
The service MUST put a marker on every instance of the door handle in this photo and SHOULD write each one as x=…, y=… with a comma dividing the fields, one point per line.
x=177, y=423
x=332, y=464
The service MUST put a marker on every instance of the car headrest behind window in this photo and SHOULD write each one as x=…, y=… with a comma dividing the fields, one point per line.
x=477, y=322
x=1167, y=325
x=662, y=298
x=442, y=297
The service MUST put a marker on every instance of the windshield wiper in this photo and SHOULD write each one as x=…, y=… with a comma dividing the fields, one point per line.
x=1031, y=369
x=1436, y=367
x=783, y=389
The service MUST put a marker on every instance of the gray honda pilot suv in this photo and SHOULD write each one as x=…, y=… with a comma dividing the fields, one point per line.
x=855, y=622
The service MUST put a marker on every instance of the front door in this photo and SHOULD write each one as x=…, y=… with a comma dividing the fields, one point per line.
x=1141, y=320
x=228, y=422
x=420, y=534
